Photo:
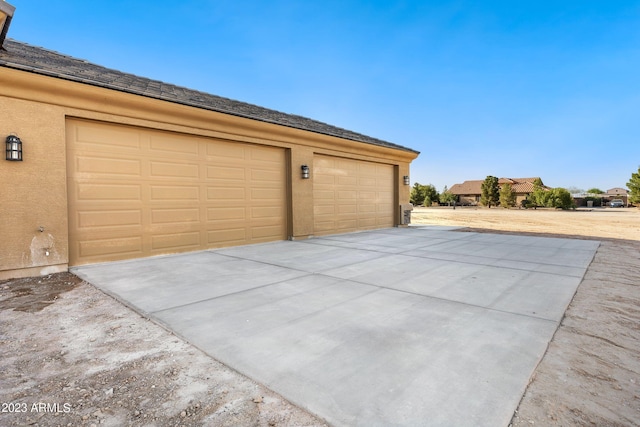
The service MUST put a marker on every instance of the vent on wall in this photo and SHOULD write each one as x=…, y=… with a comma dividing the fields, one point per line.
x=6, y=13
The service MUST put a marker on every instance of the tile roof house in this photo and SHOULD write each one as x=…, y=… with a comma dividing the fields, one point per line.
x=116, y=166
x=469, y=192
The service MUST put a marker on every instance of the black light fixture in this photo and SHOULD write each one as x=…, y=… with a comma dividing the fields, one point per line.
x=305, y=171
x=406, y=180
x=6, y=13
x=14, y=148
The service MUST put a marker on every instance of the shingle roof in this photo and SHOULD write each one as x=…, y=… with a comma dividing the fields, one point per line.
x=519, y=185
x=22, y=56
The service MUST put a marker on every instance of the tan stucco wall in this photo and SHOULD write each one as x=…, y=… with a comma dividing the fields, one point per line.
x=301, y=193
x=33, y=192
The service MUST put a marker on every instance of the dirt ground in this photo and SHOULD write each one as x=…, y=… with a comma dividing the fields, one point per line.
x=73, y=356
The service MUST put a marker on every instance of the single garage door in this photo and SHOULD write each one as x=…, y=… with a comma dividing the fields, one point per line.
x=351, y=195
x=137, y=192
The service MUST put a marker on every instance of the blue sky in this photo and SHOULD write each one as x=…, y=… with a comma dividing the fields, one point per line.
x=505, y=88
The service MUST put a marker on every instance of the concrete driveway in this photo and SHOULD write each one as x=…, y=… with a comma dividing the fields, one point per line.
x=403, y=326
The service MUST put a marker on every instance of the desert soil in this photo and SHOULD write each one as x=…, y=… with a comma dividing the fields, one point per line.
x=73, y=356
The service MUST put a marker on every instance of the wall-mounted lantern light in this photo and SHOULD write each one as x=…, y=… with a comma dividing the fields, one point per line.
x=305, y=171
x=14, y=148
x=406, y=180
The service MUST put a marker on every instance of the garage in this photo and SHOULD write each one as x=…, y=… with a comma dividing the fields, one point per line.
x=135, y=192
x=351, y=195
x=153, y=168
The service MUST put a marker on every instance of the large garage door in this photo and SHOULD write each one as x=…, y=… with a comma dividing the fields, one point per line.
x=136, y=192
x=351, y=195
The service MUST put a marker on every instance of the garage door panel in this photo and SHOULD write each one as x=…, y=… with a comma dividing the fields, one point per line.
x=226, y=194
x=170, y=146
x=348, y=209
x=169, y=193
x=264, y=234
x=346, y=225
x=226, y=173
x=266, y=155
x=154, y=192
x=98, y=138
x=175, y=216
x=108, y=166
x=368, y=182
x=173, y=170
x=225, y=150
x=367, y=168
x=175, y=242
x=110, y=219
x=346, y=180
x=324, y=227
x=266, y=194
x=266, y=177
x=383, y=184
x=367, y=223
x=351, y=195
x=367, y=209
x=97, y=249
x=86, y=191
x=385, y=208
x=320, y=195
x=272, y=212
x=226, y=237
x=367, y=195
x=226, y=213
x=324, y=210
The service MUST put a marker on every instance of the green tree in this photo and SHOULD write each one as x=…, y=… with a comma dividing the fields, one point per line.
x=507, y=196
x=540, y=194
x=595, y=191
x=431, y=194
x=418, y=194
x=560, y=198
x=447, y=196
x=423, y=194
x=634, y=188
x=490, y=191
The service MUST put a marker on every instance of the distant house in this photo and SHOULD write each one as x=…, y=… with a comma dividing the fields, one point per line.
x=582, y=199
x=617, y=193
x=469, y=192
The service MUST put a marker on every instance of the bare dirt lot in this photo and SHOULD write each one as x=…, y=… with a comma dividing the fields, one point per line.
x=73, y=356
x=590, y=375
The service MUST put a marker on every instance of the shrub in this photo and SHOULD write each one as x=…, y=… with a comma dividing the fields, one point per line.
x=526, y=203
x=560, y=198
